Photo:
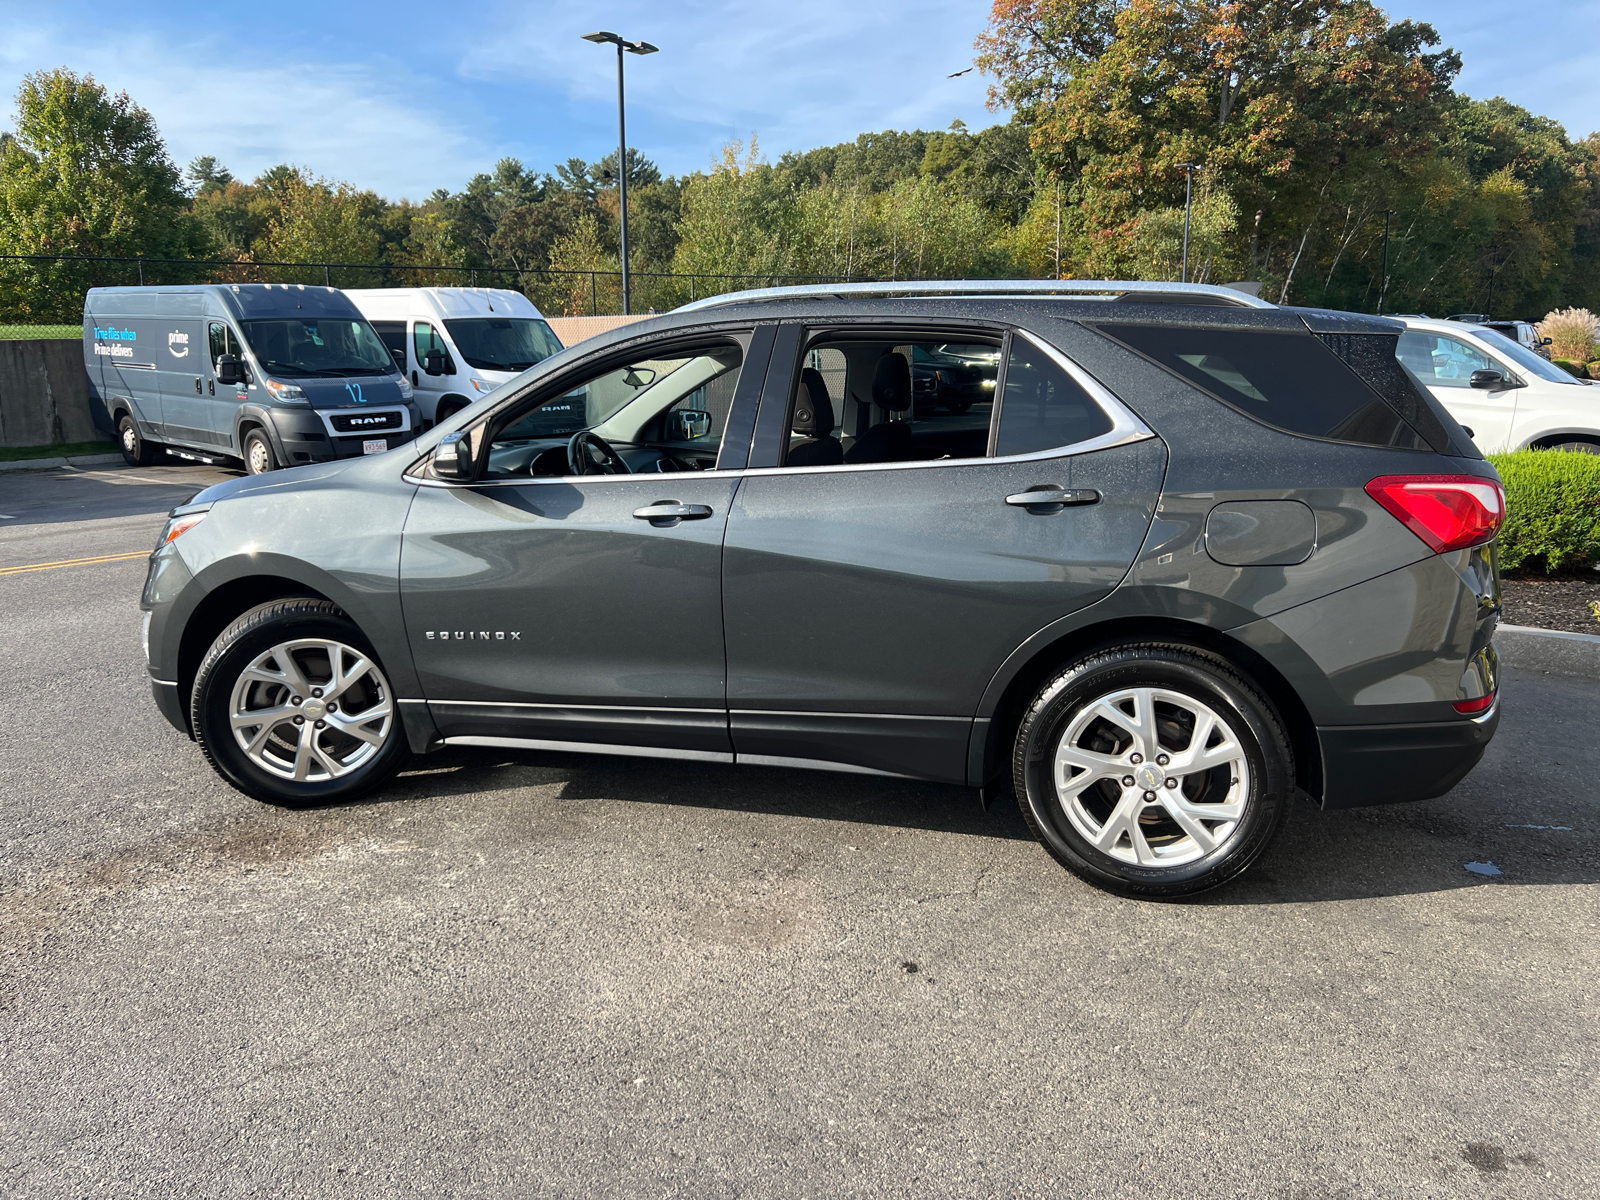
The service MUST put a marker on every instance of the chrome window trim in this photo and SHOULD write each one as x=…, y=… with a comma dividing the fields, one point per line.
x=404, y=427
x=1126, y=428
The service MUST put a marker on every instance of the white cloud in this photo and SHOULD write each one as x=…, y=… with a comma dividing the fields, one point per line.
x=371, y=123
x=800, y=75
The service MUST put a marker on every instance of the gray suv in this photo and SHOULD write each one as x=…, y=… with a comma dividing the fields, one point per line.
x=1185, y=556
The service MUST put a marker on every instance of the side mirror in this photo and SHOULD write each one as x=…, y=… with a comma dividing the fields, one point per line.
x=229, y=369
x=687, y=424
x=433, y=362
x=452, y=458
x=1548, y=342
x=1489, y=381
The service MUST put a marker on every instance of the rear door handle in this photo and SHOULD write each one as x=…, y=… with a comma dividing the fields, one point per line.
x=666, y=513
x=1053, y=499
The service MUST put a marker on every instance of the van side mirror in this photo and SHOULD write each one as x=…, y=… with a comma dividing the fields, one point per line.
x=687, y=424
x=433, y=362
x=229, y=369
x=1489, y=381
x=452, y=458
x=1548, y=342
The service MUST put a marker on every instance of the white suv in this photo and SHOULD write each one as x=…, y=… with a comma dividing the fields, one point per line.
x=1506, y=396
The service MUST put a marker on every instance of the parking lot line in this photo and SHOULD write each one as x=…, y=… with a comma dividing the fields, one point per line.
x=75, y=562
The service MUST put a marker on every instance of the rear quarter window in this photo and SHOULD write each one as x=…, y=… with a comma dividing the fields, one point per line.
x=1290, y=381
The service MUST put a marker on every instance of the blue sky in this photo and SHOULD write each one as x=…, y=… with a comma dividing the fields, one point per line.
x=404, y=97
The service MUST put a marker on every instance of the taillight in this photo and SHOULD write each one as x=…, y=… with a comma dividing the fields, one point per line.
x=1448, y=512
x=1473, y=707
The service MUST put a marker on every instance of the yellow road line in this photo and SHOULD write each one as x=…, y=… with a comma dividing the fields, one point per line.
x=75, y=562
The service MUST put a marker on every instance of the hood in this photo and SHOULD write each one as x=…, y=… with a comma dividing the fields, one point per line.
x=288, y=478
x=356, y=391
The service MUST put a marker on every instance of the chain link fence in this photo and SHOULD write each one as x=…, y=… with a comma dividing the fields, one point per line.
x=41, y=296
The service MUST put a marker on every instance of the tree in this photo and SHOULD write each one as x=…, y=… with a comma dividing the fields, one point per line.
x=85, y=173
x=205, y=174
x=1287, y=101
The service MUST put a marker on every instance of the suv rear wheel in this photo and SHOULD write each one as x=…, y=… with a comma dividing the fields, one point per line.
x=291, y=706
x=1153, y=770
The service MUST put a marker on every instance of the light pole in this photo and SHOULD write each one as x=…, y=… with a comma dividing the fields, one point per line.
x=1388, y=215
x=622, y=140
x=1188, y=170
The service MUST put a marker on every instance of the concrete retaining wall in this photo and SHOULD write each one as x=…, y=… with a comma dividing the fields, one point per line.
x=44, y=394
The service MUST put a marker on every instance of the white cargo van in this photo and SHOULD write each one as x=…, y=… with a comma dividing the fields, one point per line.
x=456, y=344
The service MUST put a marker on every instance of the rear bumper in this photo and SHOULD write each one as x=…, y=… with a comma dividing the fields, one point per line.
x=1388, y=764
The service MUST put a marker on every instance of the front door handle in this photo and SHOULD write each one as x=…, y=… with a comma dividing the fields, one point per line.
x=666, y=513
x=1047, y=499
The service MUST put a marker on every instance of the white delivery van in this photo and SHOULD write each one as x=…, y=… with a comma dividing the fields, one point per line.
x=1506, y=396
x=456, y=344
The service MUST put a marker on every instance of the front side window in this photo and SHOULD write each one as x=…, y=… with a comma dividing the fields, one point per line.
x=428, y=338
x=297, y=347
x=222, y=342
x=659, y=414
x=1290, y=381
x=502, y=344
x=1441, y=361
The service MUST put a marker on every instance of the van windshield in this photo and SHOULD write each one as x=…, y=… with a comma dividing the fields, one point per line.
x=503, y=343
x=302, y=346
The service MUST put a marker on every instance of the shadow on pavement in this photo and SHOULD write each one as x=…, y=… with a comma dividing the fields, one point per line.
x=97, y=493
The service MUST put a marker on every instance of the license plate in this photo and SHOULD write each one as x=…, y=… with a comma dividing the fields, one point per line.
x=375, y=446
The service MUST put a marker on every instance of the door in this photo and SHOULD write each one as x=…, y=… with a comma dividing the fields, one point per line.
x=222, y=400
x=1445, y=364
x=553, y=608
x=867, y=605
x=128, y=347
x=183, y=369
x=427, y=336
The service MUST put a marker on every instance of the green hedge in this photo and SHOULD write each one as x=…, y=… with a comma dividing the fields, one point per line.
x=1572, y=366
x=1552, y=509
x=24, y=333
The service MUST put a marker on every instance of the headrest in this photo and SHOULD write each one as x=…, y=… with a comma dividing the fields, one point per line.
x=813, y=410
x=891, y=383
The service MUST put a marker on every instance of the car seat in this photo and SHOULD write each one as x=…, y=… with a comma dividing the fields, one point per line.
x=813, y=421
x=887, y=441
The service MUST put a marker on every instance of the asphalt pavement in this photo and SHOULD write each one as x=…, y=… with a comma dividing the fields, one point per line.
x=521, y=974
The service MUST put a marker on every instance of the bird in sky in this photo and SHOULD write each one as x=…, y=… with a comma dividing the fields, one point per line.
x=959, y=74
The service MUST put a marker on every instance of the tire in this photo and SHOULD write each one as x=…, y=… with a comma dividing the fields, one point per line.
x=446, y=410
x=258, y=455
x=1141, y=840
x=1576, y=447
x=248, y=670
x=136, y=452
x=958, y=406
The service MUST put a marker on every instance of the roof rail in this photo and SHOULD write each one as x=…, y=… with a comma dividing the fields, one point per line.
x=994, y=288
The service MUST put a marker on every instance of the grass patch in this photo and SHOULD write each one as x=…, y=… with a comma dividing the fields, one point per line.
x=22, y=453
x=1552, y=509
x=28, y=333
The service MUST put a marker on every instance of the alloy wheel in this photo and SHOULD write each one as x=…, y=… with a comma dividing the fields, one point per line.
x=311, y=710
x=1152, y=777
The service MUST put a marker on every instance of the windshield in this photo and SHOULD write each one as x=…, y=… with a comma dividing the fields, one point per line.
x=503, y=343
x=1525, y=358
x=309, y=346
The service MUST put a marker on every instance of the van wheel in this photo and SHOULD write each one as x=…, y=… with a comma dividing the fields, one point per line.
x=136, y=452
x=1575, y=447
x=446, y=410
x=258, y=456
x=1153, y=770
x=292, y=706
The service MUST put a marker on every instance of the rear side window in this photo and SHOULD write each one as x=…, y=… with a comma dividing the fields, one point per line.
x=1287, y=380
x=1043, y=407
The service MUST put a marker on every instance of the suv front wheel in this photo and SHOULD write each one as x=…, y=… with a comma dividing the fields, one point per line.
x=1153, y=770
x=291, y=706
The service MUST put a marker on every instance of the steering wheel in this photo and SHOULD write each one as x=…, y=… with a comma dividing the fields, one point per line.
x=582, y=451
